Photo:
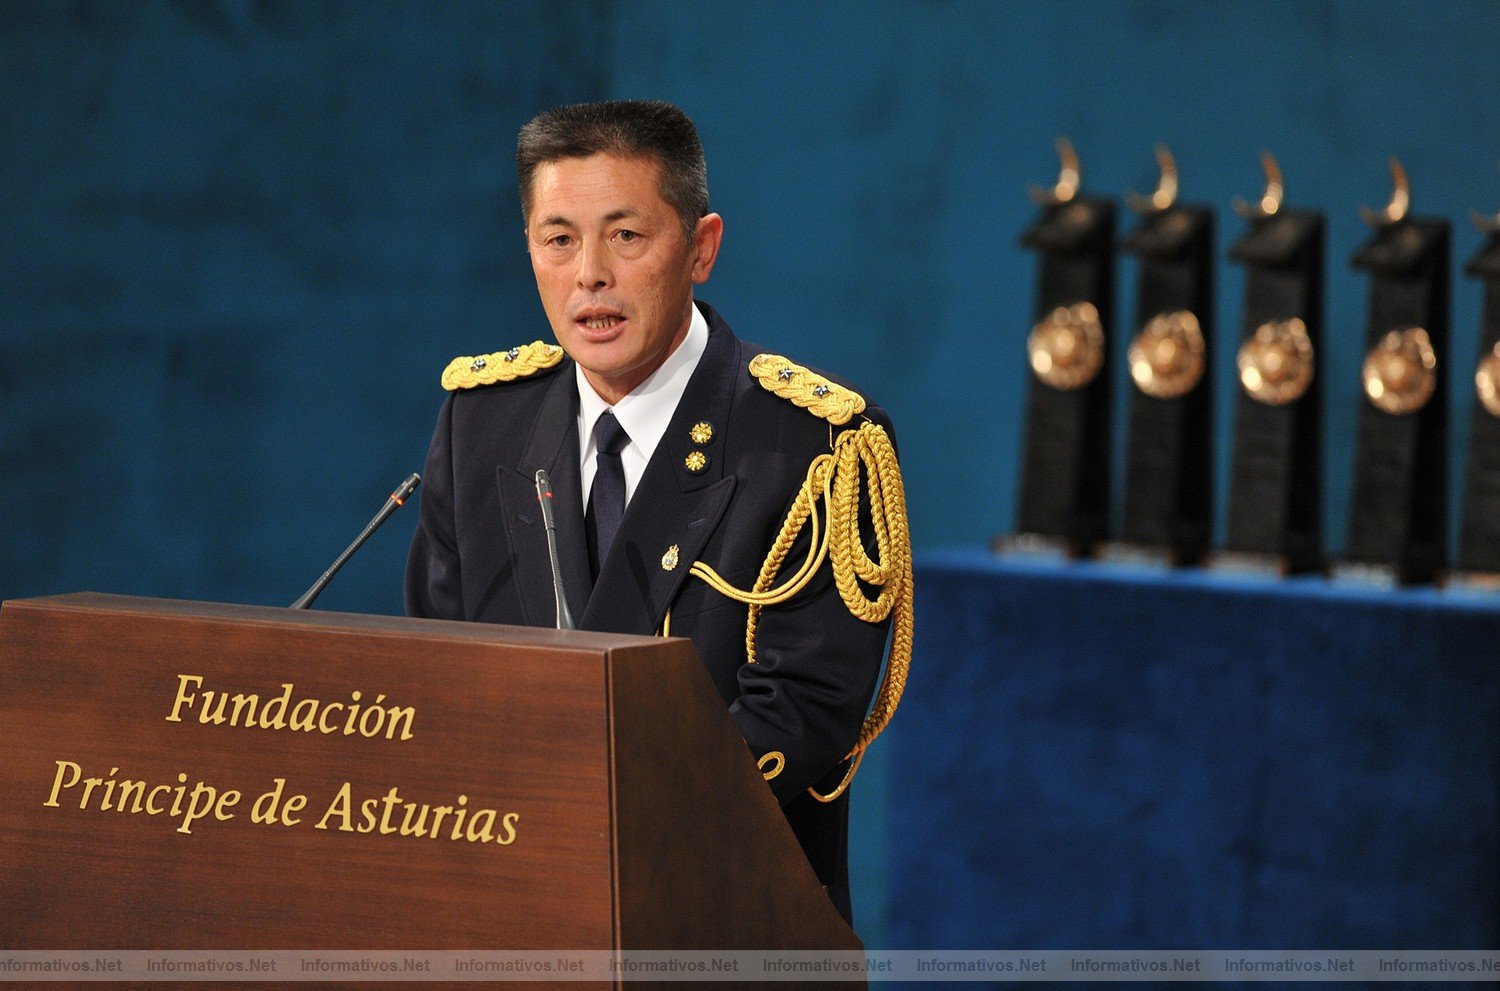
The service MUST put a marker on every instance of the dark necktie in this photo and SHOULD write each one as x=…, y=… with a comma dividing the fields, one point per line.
x=607, y=498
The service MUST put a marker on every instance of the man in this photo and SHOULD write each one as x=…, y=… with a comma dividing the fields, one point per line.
x=671, y=444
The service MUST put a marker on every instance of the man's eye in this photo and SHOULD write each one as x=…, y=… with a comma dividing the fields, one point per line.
x=627, y=236
x=559, y=240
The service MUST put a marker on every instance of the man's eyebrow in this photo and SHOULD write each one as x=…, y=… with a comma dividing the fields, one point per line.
x=557, y=220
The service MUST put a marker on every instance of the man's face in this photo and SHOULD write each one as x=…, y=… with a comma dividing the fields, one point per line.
x=613, y=267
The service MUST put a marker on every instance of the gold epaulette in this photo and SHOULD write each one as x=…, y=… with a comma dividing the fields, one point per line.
x=807, y=389
x=502, y=366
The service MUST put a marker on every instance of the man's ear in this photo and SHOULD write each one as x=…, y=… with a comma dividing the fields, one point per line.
x=706, y=238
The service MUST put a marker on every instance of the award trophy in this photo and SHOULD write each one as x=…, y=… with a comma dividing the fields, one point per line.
x=1479, y=526
x=1275, y=473
x=1398, y=522
x=1167, y=461
x=1064, y=506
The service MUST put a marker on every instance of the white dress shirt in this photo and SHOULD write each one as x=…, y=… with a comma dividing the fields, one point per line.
x=644, y=412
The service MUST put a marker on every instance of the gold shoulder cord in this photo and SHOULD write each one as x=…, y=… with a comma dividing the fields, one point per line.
x=835, y=479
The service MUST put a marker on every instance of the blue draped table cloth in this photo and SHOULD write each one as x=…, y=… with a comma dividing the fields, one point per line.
x=1092, y=756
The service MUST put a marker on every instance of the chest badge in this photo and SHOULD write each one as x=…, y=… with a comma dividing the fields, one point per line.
x=669, y=559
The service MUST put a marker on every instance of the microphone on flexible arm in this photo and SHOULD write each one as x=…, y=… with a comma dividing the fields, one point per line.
x=402, y=493
x=544, y=496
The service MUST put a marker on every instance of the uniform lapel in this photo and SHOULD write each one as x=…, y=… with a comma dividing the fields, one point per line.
x=553, y=445
x=674, y=506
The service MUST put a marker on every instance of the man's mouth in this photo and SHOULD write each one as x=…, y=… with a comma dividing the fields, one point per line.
x=598, y=322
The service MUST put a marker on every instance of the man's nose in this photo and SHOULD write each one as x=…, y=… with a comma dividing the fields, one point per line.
x=593, y=266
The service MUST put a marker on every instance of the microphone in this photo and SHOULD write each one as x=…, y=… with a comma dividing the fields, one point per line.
x=403, y=491
x=544, y=496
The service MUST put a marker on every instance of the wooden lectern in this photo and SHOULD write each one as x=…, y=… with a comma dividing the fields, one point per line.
x=461, y=786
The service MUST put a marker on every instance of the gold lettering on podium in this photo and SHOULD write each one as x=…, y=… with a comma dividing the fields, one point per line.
x=217, y=708
x=189, y=803
x=381, y=815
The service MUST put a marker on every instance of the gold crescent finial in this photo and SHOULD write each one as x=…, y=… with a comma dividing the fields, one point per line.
x=1270, y=200
x=1166, y=188
x=1488, y=225
x=1068, y=177
x=1395, y=211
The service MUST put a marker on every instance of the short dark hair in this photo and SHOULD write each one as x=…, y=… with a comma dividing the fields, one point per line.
x=628, y=129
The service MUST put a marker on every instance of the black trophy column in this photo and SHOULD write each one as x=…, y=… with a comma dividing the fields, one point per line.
x=1398, y=520
x=1275, y=473
x=1167, y=460
x=1479, y=530
x=1065, y=464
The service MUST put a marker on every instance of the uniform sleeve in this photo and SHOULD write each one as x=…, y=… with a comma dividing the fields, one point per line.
x=817, y=667
x=432, y=586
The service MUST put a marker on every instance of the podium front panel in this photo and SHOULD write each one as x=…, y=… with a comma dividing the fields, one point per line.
x=452, y=788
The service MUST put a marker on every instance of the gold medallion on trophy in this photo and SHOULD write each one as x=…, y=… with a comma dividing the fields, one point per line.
x=1166, y=358
x=1276, y=362
x=1400, y=371
x=1067, y=348
x=1487, y=380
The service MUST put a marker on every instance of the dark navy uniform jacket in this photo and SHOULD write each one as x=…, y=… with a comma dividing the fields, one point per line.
x=480, y=554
